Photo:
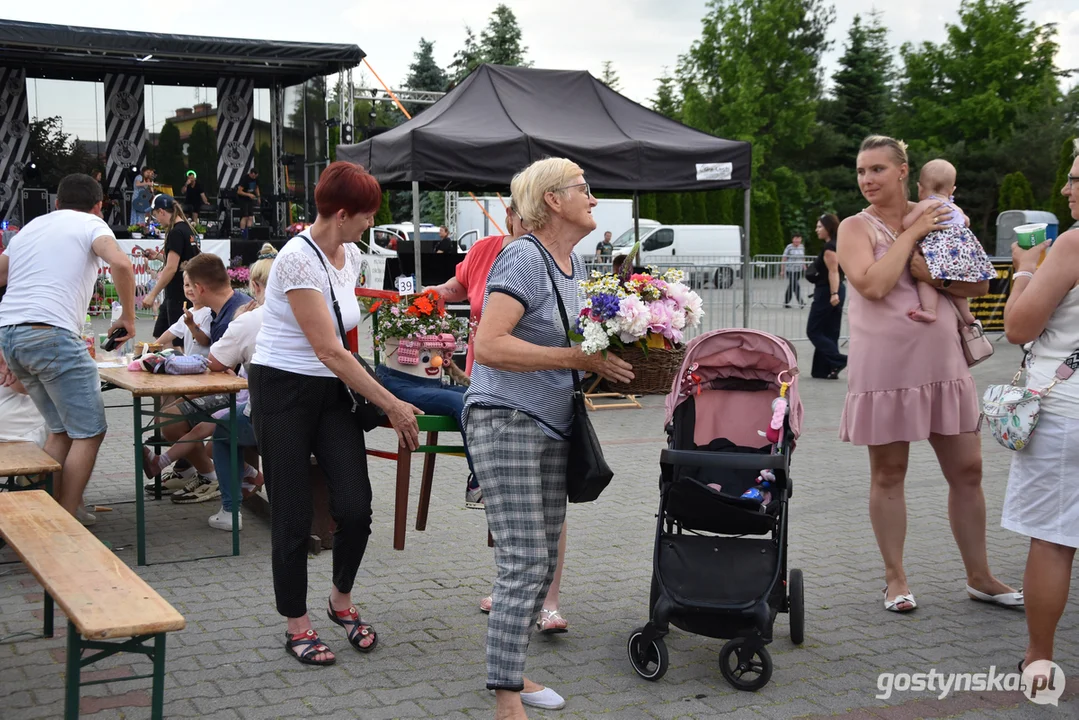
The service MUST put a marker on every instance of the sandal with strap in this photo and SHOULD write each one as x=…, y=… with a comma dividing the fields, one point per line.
x=354, y=627
x=546, y=623
x=305, y=646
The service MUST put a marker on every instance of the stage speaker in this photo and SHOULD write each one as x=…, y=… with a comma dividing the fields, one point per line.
x=35, y=203
x=258, y=232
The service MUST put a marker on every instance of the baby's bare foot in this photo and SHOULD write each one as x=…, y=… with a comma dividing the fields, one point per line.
x=920, y=315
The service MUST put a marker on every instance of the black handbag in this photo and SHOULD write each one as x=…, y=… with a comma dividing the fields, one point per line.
x=368, y=415
x=587, y=472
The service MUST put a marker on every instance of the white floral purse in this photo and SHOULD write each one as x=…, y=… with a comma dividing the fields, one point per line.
x=1011, y=411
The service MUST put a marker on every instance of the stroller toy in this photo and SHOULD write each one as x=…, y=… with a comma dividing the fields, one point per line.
x=719, y=562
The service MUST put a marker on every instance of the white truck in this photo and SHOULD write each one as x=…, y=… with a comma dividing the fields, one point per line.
x=719, y=247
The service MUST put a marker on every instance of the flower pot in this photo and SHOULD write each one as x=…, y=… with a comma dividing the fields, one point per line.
x=136, y=236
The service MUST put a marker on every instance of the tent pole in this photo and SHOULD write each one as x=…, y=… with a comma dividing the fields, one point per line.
x=416, y=231
x=746, y=269
x=636, y=216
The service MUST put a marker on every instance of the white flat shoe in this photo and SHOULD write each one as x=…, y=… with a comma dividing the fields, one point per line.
x=893, y=604
x=1008, y=600
x=546, y=699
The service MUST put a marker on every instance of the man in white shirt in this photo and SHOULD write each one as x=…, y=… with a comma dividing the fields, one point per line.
x=50, y=269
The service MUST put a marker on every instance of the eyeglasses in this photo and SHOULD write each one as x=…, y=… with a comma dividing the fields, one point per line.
x=587, y=190
x=1072, y=181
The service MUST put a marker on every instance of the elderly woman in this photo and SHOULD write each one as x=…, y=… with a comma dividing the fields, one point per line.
x=826, y=307
x=1043, y=489
x=908, y=381
x=301, y=404
x=518, y=410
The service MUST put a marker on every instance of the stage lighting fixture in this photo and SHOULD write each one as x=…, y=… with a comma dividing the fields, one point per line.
x=346, y=133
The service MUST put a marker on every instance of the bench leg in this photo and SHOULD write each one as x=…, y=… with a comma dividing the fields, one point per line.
x=400, y=507
x=48, y=616
x=158, y=700
x=74, y=667
x=426, y=480
x=140, y=511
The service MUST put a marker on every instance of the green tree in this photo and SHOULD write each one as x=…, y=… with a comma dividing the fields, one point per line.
x=264, y=165
x=384, y=216
x=465, y=60
x=667, y=101
x=202, y=155
x=424, y=73
x=500, y=41
x=609, y=77
x=669, y=208
x=646, y=206
x=973, y=97
x=863, y=85
x=169, y=157
x=754, y=74
x=793, y=196
x=55, y=154
x=1015, y=193
x=766, y=231
x=1058, y=204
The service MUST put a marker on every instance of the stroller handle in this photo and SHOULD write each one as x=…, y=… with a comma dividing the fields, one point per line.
x=730, y=461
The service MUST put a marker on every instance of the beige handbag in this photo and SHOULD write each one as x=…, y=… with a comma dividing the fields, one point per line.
x=976, y=346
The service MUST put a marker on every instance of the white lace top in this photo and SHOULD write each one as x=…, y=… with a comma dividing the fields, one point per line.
x=281, y=342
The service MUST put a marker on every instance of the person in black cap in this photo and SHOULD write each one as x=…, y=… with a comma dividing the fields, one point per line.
x=248, y=196
x=194, y=197
x=180, y=246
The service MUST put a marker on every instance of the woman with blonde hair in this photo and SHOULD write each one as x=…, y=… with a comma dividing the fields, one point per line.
x=1042, y=501
x=908, y=381
x=518, y=412
x=180, y=246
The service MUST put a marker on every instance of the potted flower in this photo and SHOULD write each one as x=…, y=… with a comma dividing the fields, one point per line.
x=238, y=276
x=414, y=334
x=643, y=318
x=200, y=230
x=136, y=231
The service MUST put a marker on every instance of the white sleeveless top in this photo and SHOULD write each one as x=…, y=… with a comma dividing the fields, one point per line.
x=1059, y=340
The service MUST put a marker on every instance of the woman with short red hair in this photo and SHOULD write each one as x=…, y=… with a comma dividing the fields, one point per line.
x=302, y=383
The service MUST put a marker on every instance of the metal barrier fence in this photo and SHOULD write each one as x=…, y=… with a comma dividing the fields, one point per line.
x=718, y=280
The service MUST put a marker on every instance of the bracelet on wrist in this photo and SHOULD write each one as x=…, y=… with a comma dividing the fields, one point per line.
x=1022, y=273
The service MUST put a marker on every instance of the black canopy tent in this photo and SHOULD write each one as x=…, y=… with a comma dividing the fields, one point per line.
x=76, y=53
x=501, y=119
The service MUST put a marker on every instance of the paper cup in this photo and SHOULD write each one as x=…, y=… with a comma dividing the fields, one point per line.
x=1030, y=235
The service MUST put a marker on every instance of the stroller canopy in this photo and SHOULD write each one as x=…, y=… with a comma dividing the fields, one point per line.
x=738, y=354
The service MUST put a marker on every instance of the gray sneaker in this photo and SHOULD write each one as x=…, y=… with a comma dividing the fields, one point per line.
x=205, y=491
x=170, y=483
x=473, y=495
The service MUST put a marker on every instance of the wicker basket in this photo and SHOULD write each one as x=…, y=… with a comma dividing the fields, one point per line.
x=652, y=374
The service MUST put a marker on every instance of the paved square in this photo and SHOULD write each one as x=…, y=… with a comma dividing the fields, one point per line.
x=230, y=664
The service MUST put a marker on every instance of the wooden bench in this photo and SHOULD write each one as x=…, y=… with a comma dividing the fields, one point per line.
x=104, y=600
x=26, y=458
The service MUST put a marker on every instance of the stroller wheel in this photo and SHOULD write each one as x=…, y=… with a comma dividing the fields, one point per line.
x=651, y=662
x=797, y=607
x=753, y=673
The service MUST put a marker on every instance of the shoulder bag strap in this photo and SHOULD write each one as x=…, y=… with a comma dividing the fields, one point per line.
x=333, y=296
x=561, y=307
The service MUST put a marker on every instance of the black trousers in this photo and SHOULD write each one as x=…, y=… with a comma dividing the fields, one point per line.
x=171, y=310
x=794, y=288
x=823, y=328
x=294, y=416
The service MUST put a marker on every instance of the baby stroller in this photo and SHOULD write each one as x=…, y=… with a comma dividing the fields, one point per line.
x=719, y=566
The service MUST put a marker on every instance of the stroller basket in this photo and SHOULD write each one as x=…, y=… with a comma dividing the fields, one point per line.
x=740, y=570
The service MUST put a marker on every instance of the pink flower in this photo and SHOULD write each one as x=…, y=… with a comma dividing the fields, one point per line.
x=660, y=318
x=633, y=319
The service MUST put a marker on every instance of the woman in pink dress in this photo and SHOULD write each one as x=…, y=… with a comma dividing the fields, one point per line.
x=908, y=381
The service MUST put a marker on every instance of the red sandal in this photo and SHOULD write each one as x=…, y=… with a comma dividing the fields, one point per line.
x=356, y=629
x=305, y=646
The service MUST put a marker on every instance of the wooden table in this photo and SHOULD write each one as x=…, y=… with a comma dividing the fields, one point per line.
x=153, y=385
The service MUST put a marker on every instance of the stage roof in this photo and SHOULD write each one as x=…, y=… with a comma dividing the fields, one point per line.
x=64, y=52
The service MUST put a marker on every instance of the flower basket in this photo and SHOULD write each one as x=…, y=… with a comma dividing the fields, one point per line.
x=653, y=372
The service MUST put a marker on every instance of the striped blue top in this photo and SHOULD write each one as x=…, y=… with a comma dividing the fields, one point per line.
x=545, y=395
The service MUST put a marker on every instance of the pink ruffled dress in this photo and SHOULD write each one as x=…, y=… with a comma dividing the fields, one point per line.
x=905, y=379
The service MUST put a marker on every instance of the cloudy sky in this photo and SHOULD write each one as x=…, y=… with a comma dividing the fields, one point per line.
x=640, y=37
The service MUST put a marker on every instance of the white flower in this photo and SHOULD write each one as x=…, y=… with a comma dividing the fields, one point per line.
x=595, y=337
x=633, y=318
x=693, y=310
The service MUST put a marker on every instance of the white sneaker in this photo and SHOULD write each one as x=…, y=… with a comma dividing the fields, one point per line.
x=206, y=491
x=84, y=516
x=190, y=485
x=223, y=520
x=546, y=698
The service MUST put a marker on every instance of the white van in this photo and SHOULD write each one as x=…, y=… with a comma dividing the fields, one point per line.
x=389, y=239
x=712, y=245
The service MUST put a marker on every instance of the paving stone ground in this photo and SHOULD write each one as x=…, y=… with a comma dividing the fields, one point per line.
x=229, y=664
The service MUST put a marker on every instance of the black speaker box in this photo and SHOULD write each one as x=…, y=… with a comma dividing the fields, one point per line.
x=258, y=233
x=35, y=202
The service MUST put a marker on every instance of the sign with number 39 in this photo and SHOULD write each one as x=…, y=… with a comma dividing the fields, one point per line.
x=406, y=284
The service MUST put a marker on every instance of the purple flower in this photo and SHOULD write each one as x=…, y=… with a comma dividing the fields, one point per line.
x=604, y=306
